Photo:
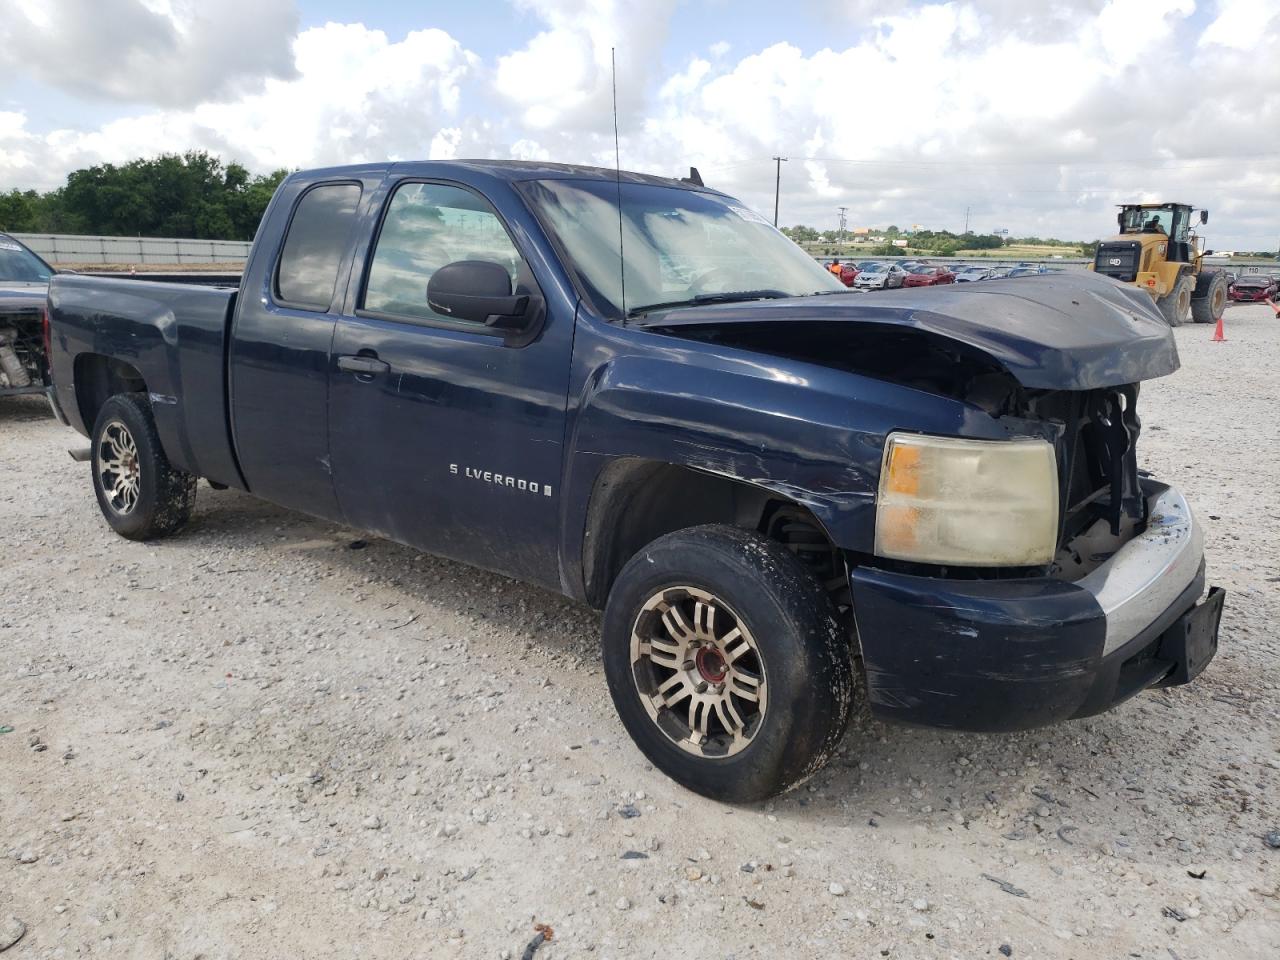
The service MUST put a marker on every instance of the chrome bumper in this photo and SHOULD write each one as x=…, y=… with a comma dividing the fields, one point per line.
x=1142, y=579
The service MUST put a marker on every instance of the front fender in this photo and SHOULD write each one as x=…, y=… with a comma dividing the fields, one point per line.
x=811, y=435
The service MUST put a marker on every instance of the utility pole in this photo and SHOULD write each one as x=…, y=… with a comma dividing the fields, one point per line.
x=777, y=185
x=966, y=219
x=842, y=210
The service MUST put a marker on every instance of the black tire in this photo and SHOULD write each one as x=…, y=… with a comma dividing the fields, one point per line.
x=1210, y=299
x=800, y=653
x=155, y=498
x=1175, y=306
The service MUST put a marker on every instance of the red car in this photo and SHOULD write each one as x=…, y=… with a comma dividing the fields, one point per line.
x=848, y=273
x=1252, y=286
x=928, y=277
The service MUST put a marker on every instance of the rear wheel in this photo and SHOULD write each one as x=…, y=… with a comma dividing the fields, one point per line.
x=140, y=493
x=726, y=663
x=1176, y=305
x=1210, y=299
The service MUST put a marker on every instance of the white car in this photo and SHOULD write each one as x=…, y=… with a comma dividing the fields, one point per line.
x=883, y=276
x=970, y=274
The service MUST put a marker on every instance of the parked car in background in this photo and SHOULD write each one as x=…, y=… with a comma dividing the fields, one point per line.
x=846, y=272
x=883, y=276
x=1027, y=271
x=24, y=287
x=928, y=276
x=1252, y=287
x=973, y=274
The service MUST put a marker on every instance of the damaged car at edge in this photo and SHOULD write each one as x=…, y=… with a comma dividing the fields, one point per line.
x=637, y=392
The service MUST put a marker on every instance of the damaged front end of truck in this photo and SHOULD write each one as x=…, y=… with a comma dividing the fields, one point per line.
x=979, y=604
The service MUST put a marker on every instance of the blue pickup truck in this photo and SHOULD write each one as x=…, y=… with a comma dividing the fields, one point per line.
x=785, y=496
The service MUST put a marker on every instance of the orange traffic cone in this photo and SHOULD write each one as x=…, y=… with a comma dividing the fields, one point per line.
x=1218, y=335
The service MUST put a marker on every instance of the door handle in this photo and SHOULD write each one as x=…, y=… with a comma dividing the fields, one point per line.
x=365, y=366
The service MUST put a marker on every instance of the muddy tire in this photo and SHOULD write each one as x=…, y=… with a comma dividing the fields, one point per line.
x=1210, y=299
x=140, y=493
x=726, y=663
x=1176, y=305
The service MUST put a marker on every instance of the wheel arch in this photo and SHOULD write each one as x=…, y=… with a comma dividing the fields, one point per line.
x=634, y=501
x=97, y=378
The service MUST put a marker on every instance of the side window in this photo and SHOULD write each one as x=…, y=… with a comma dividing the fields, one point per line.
x=428, y=225
x=317, y=239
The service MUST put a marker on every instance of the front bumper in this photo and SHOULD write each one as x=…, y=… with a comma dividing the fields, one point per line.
x=999, y=655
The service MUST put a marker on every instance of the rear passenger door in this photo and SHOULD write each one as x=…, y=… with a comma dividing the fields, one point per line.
x=280, y=348
x=444, y=434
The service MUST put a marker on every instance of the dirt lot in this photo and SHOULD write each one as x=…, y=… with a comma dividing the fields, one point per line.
x=257, y=740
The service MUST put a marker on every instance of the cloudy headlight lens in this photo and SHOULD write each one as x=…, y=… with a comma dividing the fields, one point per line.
x=977, y=503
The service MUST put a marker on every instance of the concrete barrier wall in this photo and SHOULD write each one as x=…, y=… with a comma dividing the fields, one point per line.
x=62, y=248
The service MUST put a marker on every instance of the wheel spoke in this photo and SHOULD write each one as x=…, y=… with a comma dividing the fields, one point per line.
x=704, y=619
x=730, y=719
x=674, y=689
x=677, y=626
x=734, y=645
x=699, y=714
x=664, y=654
x=745, y=685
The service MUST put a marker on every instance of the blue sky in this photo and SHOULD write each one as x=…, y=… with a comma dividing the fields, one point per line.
x=1036, y=118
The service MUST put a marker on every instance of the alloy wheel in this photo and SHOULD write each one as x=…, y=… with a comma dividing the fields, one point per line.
x=118, y=467
x=698, y=671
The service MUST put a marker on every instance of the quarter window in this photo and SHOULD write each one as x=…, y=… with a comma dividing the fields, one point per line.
x=428, y=225
x=316, y=242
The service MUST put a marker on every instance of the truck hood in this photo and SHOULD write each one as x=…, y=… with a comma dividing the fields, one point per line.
x=1060, y=331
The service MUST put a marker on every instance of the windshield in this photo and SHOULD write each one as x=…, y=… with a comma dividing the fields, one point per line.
x=678, y=245
x=20, y=264
x=1149, y=220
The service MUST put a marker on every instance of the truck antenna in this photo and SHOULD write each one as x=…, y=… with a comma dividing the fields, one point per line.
x=617, y=170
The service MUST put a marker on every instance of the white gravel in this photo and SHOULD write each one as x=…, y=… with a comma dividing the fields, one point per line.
x=252, y=741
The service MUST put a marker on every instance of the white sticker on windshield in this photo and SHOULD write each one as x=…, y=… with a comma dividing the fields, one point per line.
x=7, y=245
x=750, y=215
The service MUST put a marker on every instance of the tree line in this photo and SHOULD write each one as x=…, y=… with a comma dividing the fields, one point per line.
x=191, y=195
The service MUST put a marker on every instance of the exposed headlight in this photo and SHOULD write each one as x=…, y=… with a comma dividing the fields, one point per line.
x=976, y=503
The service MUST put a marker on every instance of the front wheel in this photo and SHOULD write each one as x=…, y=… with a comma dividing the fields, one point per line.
x=726, y=663
x=140, y=493
x=1176, y=304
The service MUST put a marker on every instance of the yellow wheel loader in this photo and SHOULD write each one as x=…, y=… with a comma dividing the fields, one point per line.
x=1158, y=251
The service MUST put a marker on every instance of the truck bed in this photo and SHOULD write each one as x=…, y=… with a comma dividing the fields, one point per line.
x=175, y=336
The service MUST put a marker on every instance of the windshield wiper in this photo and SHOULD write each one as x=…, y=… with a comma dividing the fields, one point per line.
x=733, y=296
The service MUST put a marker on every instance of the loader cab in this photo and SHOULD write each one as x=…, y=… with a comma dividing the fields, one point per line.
x=1170, y=220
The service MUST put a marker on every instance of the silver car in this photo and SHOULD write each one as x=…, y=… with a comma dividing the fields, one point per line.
x=883, y=276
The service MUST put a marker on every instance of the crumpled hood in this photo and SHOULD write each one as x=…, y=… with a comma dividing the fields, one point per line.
x=1074, y=330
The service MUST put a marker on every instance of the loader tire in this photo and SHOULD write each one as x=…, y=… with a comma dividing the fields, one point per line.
x=1210, y=299
x=1175, y=306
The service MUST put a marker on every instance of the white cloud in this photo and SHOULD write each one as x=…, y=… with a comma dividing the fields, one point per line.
x=1038, y=119
x=164, y=52
x=356, y=97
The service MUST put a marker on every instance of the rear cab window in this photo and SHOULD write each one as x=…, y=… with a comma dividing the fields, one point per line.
x=317, y=240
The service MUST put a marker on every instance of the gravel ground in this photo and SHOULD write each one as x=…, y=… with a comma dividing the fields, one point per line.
x=257, y=739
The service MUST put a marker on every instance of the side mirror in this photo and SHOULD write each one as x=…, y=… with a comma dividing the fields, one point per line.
x=478, y=291
x=1204, y=216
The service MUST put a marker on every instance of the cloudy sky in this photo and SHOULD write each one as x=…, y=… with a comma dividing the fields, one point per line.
x=1036, y=118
